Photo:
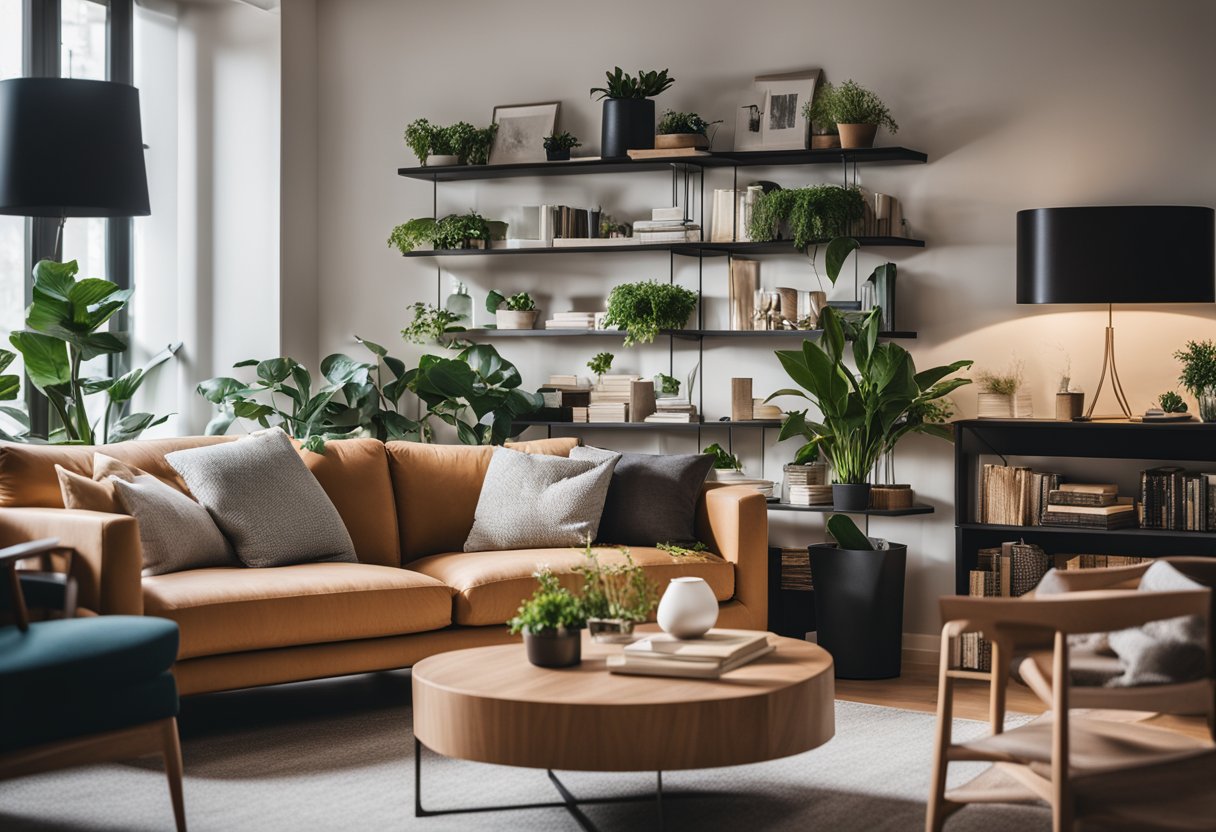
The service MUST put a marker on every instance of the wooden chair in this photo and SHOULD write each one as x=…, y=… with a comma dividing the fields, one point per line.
x=77, y=691
x=1120, y=775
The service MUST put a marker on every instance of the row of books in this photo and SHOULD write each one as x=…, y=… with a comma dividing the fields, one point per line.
x=1014, y=495
x=1089, y=506
x=576, y=320
x=1173, y=498
x=715, y=653
x=796, y=569
x=672, y=410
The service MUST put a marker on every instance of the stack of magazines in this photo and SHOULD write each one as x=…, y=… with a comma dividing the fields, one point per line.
x=707, y=657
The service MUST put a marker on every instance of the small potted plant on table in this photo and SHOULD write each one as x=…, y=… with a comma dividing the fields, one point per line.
x=615, y=597
x=1001, y=395
x=551, y=622
x=857, y=112
x=1199, y=375
x=677, y=130
x=515, y=312
x=628, y=120
x=559, y=145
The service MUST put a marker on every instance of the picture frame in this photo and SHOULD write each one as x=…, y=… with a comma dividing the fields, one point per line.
x=783, y=126
x=522, y=129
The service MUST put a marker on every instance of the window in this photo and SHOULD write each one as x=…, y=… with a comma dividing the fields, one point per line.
x=12, y=229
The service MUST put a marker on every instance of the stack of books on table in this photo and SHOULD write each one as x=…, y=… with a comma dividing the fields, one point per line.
x=673, y=411
x=707, y=657
x=571, y=320
x=607, y=412
x=1089, y=506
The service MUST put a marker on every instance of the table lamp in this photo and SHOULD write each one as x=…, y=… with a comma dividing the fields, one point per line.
x=71, y=148
x=1116, y=254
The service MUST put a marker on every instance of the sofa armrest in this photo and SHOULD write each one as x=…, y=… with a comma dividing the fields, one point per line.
x=108, y=561
x=733, y=522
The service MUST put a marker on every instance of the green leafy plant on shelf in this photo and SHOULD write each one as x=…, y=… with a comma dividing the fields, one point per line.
x=1007, y=383
x=812, y=216
x=673, y=122
x=430, y=324
x=864, y=414
x=600, y=363
x=551, y=607
x=454, y=231
x=667, y=385
x=851, y=103
x=1198, y=367
x=816, y=113
x=63, y=332
x=642, y=309
x=352, y=399
x=561, y=141
x=1171, y=402
x=620, y=591
x=476, y=392
x=519, y=302
x=724, y=460
x=468, y=143
x=647, y=84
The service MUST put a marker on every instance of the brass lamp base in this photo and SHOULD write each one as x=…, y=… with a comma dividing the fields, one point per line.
x=1108, y=364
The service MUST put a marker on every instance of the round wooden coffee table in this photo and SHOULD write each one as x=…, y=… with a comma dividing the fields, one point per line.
x=488, y=704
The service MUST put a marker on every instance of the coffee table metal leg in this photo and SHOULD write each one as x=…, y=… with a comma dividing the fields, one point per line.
x=572, y=804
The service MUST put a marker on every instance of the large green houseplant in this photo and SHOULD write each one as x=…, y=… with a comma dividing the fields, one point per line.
x=864, y=414
x=63, y=332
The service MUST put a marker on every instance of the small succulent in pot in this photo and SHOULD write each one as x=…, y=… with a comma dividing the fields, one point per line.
x=1171, y=402
x=516, y=311
x=559, y=145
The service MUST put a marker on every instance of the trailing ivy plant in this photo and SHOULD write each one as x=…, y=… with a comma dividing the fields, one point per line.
x=647, y=84
x=813, y=215
x=673, y=122
x=430, y=324
x=642, y=309
x=851, y=103
x=63, y=331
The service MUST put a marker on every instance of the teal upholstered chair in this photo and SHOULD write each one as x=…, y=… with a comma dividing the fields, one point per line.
x=76, y=691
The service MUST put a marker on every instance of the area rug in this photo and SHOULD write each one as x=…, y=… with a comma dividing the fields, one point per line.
x=338, y=755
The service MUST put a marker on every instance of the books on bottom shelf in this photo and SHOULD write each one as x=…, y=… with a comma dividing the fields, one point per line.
x=1006, y=571
x=708, y=657
x=608, y=411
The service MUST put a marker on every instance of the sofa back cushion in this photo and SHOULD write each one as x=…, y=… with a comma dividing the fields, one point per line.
x=28, y=477
x=437, y=487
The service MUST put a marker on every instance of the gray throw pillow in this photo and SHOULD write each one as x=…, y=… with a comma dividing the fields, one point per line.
x=535, y=501
x=265, y=500
x=1162, y=652
x=175, y=532
x=653, y=498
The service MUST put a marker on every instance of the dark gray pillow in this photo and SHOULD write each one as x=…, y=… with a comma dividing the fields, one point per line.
x=653, y=497
x=265, y=500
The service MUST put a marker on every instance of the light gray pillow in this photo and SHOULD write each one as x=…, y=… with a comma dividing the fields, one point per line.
x=536, y=501
x=1162, y=652
x=175, y=532
x=265, y=500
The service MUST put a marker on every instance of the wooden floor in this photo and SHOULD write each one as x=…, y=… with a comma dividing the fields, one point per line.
x=916, y=690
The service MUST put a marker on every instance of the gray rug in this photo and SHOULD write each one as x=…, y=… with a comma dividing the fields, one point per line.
x=338, y=755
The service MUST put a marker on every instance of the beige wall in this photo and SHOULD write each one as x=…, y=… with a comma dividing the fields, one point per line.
x=1018, y=105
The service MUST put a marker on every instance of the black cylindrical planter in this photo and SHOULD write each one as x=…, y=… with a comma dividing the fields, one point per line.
x=859, y=608
x=628, y=124
x=562, y=155
x=554, y=648
x=848, y=496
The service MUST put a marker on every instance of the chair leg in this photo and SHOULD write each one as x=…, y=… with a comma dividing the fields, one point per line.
x=172, y=752
x=939, y=808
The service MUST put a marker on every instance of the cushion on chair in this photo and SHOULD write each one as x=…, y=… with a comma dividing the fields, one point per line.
x=233, y=610
x=491, y=585
x=83, y=676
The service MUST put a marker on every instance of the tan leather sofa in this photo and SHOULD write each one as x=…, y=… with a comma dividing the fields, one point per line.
x=408, y=508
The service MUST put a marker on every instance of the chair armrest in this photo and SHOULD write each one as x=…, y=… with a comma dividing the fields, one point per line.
x=733, y=522
x=108, y=560
x=1089, y=611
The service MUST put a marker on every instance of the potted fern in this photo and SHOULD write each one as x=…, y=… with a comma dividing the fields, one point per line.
x=857, y=113
x=516, y=311
x=628, y=119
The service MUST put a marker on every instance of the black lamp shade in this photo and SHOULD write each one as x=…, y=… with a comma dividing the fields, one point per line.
x=71, y=148
x=1117, y=254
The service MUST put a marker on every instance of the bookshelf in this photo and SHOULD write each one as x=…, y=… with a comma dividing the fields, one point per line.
x=1141, y=444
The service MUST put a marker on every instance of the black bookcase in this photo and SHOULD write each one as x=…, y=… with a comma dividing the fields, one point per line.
x=1141, y=444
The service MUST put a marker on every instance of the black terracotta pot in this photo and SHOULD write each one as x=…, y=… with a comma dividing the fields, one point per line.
x=859, y=608
x=850, y=496
x=554, y=648
x=628, y=124
x=557, y=155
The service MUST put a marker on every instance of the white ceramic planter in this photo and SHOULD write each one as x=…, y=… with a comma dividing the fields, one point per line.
x=688, y=608
x=507, y=319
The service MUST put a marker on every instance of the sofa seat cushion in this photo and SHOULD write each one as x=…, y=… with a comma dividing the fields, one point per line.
x=229, y=610
x=491, y=585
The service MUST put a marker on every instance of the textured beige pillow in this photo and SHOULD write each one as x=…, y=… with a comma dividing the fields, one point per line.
x=81, y=492
x=265, y=500
x=175, y=532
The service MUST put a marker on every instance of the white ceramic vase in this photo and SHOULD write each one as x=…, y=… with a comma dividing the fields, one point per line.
x=688, y=608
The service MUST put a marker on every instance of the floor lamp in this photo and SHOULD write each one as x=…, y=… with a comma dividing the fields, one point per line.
x=71, y=148
x=1137, y=254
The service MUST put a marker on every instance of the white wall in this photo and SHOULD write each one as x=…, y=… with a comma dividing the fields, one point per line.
x=1018, y=105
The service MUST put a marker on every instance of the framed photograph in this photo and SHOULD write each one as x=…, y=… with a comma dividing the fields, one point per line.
x=782, y=123
x=747, y=125
x=522, y=129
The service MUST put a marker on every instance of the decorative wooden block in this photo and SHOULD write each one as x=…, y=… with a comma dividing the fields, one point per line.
x=641, y=400
x=741, y=399
x=891, y=496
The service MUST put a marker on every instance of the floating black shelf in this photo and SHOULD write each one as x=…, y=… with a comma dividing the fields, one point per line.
x=654, y=426
x=687, y=334
x=752, y=158
x=683, y=249
x=919, y=508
